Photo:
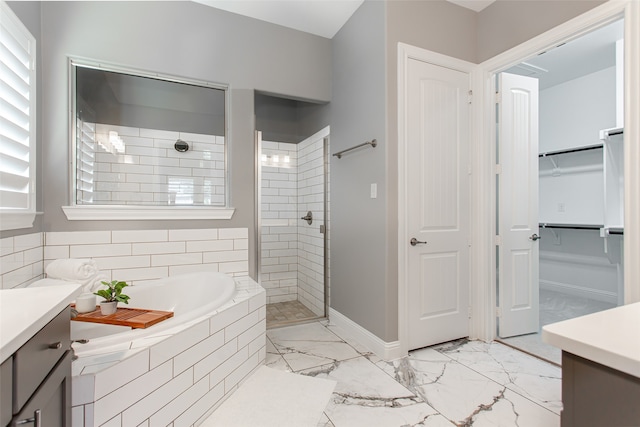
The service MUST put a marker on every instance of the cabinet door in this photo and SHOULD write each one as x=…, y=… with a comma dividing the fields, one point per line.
x=6, y=381
x=52, y=398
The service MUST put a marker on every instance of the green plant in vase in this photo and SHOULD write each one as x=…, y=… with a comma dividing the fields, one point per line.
x=112, y=296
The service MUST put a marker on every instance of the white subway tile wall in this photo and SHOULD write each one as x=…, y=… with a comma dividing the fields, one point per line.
x=292, y=258
x=139, y=255
x=21, y=260
x=279, y=263
x=126, y=165
x=311, y=193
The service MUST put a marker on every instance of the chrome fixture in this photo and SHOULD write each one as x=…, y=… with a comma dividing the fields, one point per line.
x=308, y=217
x=415, y=241
x=372, y=143
x=534, y=237
x=181, y=146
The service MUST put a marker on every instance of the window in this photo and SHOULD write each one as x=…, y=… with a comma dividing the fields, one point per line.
x=17, y=122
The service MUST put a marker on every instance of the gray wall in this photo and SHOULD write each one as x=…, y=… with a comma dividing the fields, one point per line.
x=29, y=14
x=358, y=223
x=289, y=120
x=210, y=45
x=508, y=23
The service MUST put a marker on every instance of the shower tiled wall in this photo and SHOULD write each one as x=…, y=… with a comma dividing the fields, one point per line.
x=149, y=171
x=311, y=193
x=292, y=259
x=279, y=258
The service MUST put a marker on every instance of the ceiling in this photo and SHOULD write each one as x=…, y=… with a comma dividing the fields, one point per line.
x=320, y=17
x=587, y=54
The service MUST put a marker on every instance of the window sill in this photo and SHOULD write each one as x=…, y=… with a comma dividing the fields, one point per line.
x=16, y=220
x=126, y=213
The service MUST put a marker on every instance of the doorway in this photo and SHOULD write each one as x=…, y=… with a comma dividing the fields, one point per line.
x=293, y=205
x=580, y=180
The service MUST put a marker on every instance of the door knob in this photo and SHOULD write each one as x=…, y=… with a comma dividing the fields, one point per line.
x=415, y=241
x=534, y=237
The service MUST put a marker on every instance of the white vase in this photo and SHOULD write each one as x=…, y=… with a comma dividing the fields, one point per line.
x=86, y=303
x=107, y=308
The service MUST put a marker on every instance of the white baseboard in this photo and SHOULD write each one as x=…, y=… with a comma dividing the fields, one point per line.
x=382, y=349
x=579, y=291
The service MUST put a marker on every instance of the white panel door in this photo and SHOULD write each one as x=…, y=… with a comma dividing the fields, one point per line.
x=437, y=134
x=518, y=287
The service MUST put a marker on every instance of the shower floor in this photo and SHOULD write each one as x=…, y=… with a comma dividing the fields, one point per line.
x=285, y=313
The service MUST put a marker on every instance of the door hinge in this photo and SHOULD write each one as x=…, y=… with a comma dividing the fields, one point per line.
x=498, y=240
x=470, y=96
x=498, y=169
x=498, y=312
x=498, y=98
x=469, y=312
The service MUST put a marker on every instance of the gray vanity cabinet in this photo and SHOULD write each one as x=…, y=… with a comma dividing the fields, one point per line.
x=40, y=373
x=594, y=395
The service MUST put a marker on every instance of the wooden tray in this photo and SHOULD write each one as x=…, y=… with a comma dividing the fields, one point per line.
x=136, y=318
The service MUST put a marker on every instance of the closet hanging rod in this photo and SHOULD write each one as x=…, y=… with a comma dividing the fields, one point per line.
x=571, y=226
x=571, y=150
x=372, y=143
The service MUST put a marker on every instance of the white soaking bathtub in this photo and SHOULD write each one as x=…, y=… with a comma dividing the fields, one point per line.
x=188, y=296
x=176, y=371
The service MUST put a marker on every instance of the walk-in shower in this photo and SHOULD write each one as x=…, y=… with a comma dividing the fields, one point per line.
x=293, y=227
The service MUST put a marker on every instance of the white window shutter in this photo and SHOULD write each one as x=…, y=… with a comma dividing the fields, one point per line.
x=17, y=114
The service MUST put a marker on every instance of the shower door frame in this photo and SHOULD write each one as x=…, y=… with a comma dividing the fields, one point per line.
x=325, y=135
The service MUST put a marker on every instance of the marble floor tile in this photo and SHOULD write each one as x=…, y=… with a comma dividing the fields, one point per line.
x=310, y=345
x=274, y=359
x=528, y=376
x=462, y=383
x=366, y=396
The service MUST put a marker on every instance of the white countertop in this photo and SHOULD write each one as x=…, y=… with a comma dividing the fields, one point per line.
x=24, y=311
x=610, y=337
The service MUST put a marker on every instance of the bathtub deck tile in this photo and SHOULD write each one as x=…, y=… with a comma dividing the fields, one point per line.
x=252, y=333
x=110, y=379
x=176, y=406
x=131, y=392
x=202, y=406
x=243, y=324
x=96, y=367
x=157, y=399
x=166, y=349
x=82, y=389
x=214, y=360
x=228, y=315
x=228, y=366
x=257, y=301
x=198, y=352
x=238, y=376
